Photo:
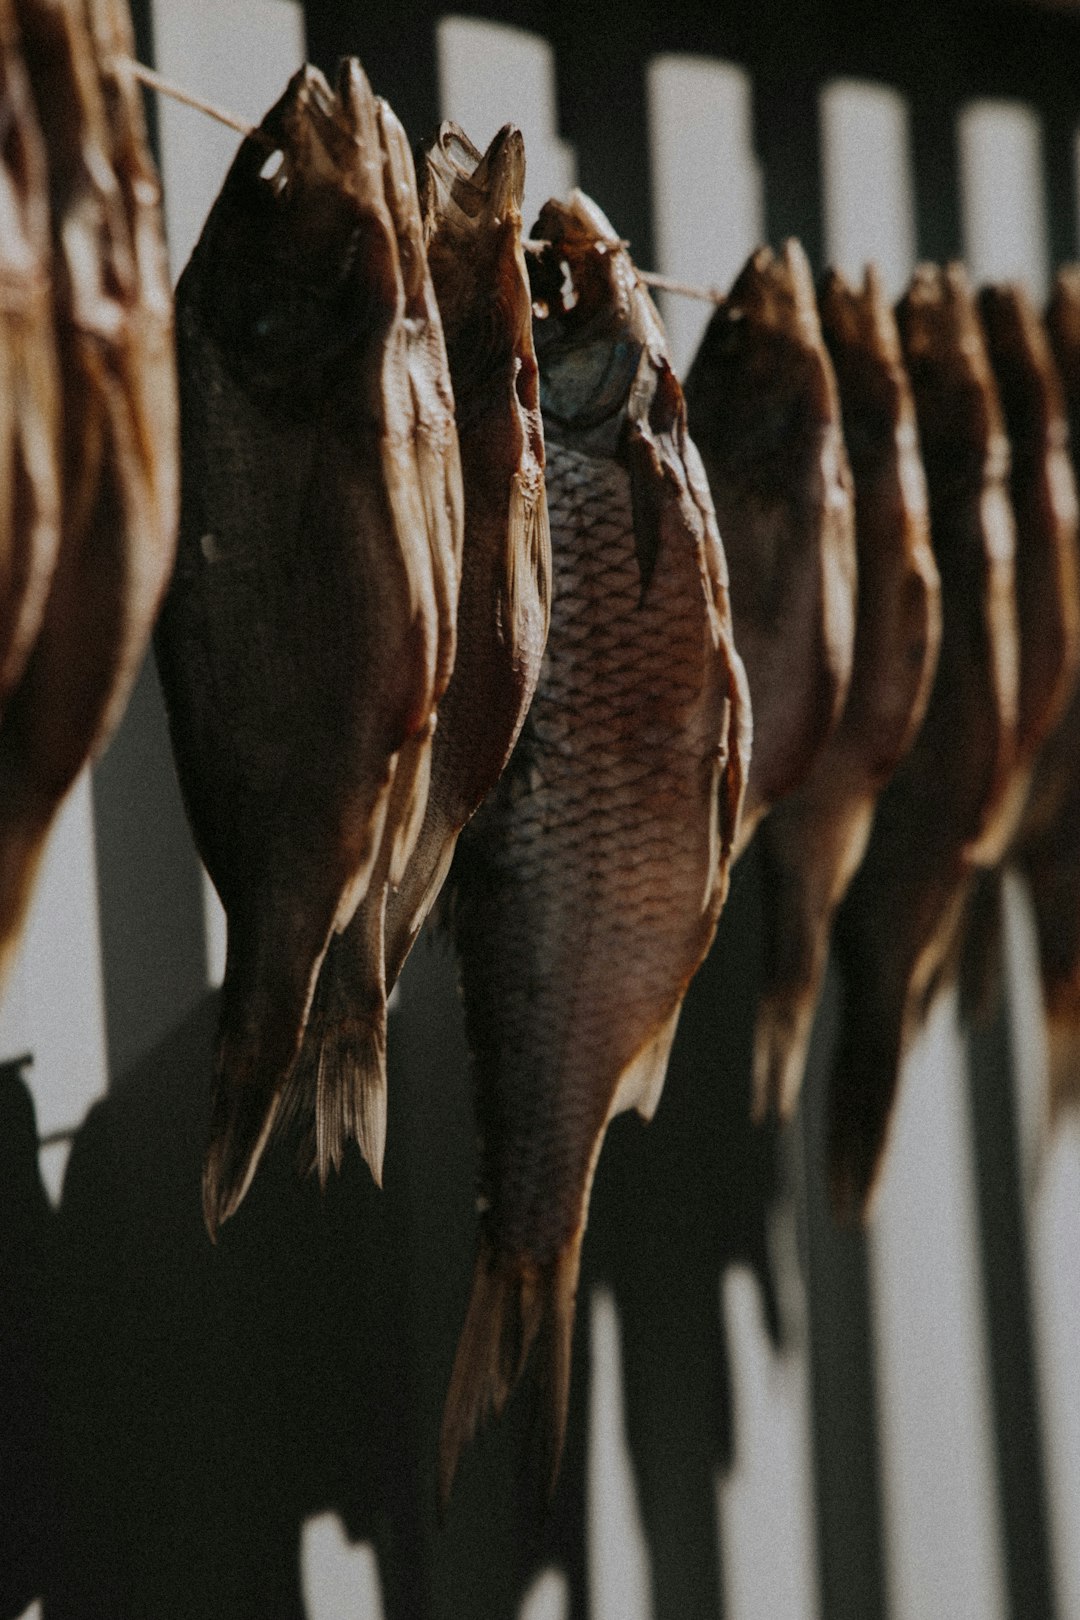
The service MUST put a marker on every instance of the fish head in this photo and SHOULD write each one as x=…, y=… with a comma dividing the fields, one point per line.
x=297, y=266
x=961, y=426
x=1027, y=379
x=595, y=325
x=1063, y=329
x=761, y=385
x=863, y=341
x=470, y=205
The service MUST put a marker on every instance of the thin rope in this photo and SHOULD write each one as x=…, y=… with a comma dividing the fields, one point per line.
x=651, y=278
x=165, y=87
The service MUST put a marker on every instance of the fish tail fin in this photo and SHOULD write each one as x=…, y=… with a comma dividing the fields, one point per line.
x=514, y=1304
x=270, y=971
x=980, y=949
x=339, y=1085
x=781, y=1038
x=350, y=1092
x=862, y=1092
x=23, y=840
x=1063, y=1041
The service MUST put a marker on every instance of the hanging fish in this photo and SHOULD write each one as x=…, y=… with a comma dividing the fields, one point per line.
x=113, y=319
x=30, y=443
x=1044, y=500
x=812, y=841
x=763, y=410
x=944, y=809
x=1048, y=846
x=308, y=633
x=471, y=206
x=588, y=887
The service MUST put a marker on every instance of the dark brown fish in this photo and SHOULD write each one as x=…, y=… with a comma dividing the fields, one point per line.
x=30, y=448
x=1048, y=845
x=763, y=410
x=588, y=887
x=812, y=842
x=308, y=633
x=944, y=809
x=1044, y=499
x=472, y=227
x=113, y=321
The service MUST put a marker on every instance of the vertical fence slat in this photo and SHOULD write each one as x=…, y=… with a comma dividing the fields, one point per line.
x=943, y=1534
x=706, y=184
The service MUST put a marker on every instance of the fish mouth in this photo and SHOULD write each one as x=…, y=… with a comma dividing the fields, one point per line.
x=462, y=186
x=858, y=317
x=776, y=291
x=582, y=273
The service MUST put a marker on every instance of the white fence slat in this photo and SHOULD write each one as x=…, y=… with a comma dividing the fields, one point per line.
x=1003, y=193
x=1051, y=1177
x=340, y=1578
x=548, y=1598
x=491, y=74
x=765, y=1503
x=942, y=1531
x=866, y=172
x=708, y=202
x=54, y=1003
x=618, y=1561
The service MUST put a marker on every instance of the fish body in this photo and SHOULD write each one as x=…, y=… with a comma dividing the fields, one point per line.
x=812, y=841
x=471, y=207
x=763, y=410
x=944, y=809
x=30, y=425
x=112, y=312
x=587, y=888
x=1044, y=500
x=1048, y=845
x=308, y=632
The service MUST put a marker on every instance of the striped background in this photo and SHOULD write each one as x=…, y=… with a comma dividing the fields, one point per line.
x=914, y=1449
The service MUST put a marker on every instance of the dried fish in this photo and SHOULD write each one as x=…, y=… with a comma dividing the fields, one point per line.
x=113, y=318
x=1048, y=845
x=812, y=842
x=472, y=226
x=1044, y=499
x=588, y=887
x=308, y=633
x=944, y=810
x=763, y=409
x=30, y=444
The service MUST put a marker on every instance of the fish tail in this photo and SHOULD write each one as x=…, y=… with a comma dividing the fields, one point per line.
x=514, y=1304
x=350, y=1093
x=862, y=1092
x=22, y=845
x=1063, y=1040
x=339, y=1085
x=269, y=979
x=979, y=947
x=781, y=1038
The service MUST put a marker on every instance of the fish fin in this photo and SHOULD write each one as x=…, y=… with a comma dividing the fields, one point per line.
x=348, y=1037
x=271, y=966
x=642, y=1081
x=514, y=1303
x=408, y=801
x=862, y=1094
x=781, y=1037
x=655, y=493
x=980, y=948
x=1063, y=1041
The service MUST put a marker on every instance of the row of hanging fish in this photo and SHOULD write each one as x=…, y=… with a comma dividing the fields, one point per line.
x=451, y=613
x=89, y=484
